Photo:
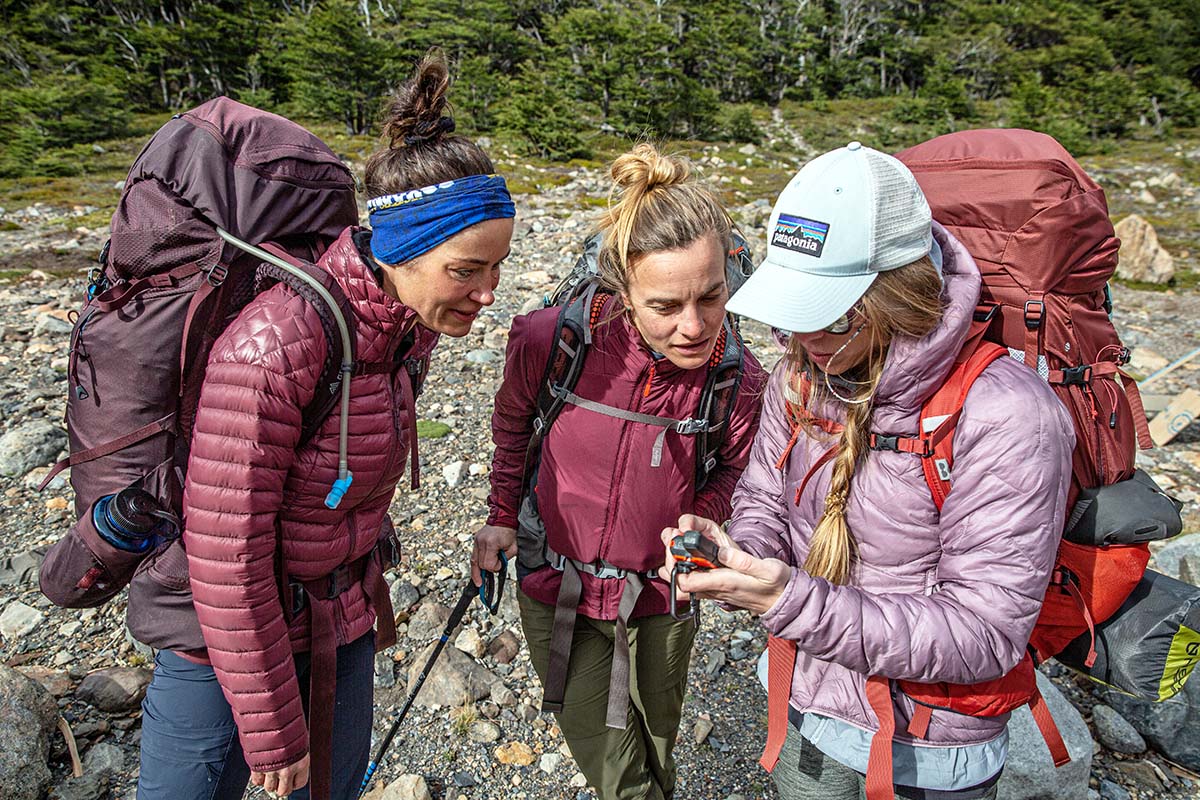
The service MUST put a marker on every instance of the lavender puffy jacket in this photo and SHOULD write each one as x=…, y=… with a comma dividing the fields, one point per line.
x=246, y=477
x=950, y=598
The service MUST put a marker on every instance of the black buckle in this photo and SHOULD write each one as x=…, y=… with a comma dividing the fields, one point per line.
x=337, y=582
x=879, y=442
x=1033, y=316
x=1077, y=376
x=216, y=276
x=299, y=597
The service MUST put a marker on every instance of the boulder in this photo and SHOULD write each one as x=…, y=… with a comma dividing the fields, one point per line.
x=455, y=679
x=1171, y=728
x=1115, y=732
x=1142, y=258
x=407, y=787
x=115, y=689
x=19, y=619
x=1029, y=773
x=504, y=647
x=33, y=444
x=1170, y=558
x=427, y=621
x=28, y=717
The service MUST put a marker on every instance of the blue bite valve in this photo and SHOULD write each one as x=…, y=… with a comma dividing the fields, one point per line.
x=338, y=490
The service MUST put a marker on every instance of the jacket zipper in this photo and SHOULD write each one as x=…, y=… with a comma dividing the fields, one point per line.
x=624, y=455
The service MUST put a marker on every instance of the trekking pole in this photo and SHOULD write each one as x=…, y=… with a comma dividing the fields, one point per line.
x=489, y=592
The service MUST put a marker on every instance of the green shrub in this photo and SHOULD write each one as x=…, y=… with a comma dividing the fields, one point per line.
x=740, y=126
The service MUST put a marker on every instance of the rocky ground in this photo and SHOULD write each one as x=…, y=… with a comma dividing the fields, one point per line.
x=484, y=738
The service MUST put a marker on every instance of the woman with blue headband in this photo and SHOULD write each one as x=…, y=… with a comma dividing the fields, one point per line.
x=288, y=591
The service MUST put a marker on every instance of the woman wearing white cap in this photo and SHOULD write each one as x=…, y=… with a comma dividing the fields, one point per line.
x=839, y=545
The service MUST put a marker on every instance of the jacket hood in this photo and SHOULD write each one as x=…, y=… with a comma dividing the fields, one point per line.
x=915, y=368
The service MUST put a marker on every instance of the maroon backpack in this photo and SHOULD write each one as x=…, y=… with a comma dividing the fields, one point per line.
x=168, y=284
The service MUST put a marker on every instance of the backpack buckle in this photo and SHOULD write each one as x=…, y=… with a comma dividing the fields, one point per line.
x=881, y=442
x=607, y=571
x=691, y=426
x=1077, y=376
x=1033, y=314
x=217, y=275
x=297, y=596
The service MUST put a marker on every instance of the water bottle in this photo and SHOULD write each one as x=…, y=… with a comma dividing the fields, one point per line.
x=129, y=519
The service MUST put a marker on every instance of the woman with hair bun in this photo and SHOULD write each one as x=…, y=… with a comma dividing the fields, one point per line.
x=288, y=591
x=612, y=660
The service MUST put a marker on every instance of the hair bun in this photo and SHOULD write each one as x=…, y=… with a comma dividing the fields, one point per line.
x=644, y=169
x=414, y=115
x=425, y=130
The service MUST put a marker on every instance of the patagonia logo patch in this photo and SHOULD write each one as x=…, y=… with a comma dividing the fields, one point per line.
x=800, y=235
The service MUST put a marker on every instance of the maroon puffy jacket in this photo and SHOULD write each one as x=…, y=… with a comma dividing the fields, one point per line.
x=248, y=488
x=598, y=496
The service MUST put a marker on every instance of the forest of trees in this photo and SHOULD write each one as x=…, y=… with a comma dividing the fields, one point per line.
x=547, y=71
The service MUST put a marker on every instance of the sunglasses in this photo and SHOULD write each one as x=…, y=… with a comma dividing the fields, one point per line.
x=841, y=325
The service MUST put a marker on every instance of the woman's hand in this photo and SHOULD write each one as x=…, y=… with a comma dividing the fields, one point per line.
x=283, y=781
x=754, y=584
x=490, y=540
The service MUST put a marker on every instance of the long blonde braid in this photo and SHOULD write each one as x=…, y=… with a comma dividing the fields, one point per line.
x=905, y=301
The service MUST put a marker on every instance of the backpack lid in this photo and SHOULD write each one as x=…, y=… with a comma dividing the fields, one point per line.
x=1043, y=223
x=223, y=164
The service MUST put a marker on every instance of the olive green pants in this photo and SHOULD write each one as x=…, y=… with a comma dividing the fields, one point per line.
x=634, y=763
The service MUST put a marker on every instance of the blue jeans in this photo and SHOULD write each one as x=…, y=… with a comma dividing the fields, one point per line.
x=190, y=747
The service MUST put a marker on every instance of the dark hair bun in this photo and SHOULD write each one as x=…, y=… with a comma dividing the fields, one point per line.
x=415, y=113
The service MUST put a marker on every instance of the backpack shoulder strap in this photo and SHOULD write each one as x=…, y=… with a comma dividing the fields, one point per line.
x=329, y=382
x=718, y=399
x=940, y=414
x=568, y=350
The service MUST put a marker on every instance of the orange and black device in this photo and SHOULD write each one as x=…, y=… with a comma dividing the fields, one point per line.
x=692, y=550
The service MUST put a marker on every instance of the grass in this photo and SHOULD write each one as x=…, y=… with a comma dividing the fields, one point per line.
x=1184, y=280
x=429, y=429
x=463, y=719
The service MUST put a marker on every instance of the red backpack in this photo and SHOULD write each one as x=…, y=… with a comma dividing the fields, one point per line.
x=1040, y=233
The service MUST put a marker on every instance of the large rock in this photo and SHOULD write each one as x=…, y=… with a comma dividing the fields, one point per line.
x=19, y=619
x=115, y=689
x=1115, y=732
x=104, y=759
x=428, y=621
x=455, y=679
x=1170, y=558
x=33, y=444
x=27, y=720
x=1171, y=728
x=1142, y=258
x=407, y=787
x=1029, y=774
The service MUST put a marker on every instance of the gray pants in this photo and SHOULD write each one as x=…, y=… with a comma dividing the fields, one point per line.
x=805, y=773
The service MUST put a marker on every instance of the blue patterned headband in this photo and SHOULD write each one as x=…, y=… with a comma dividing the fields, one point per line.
x=410, y=223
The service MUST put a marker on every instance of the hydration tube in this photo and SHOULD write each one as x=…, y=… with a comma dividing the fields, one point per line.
x=345, y=477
